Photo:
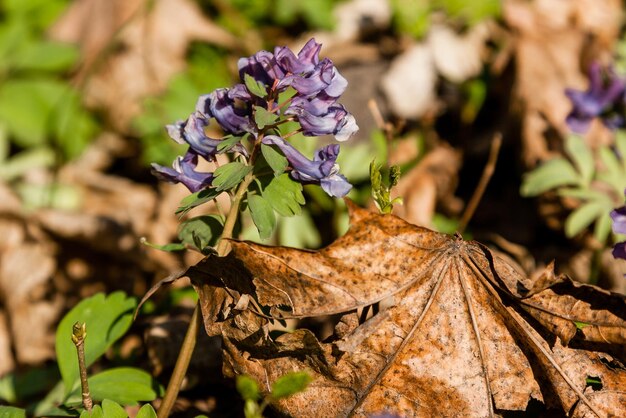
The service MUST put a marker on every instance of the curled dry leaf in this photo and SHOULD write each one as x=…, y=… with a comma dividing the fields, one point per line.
x=464, y=338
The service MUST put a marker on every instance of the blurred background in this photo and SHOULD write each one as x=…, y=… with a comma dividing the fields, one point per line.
x=87, y=86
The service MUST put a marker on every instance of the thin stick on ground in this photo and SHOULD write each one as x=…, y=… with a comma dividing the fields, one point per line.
x=482, y=183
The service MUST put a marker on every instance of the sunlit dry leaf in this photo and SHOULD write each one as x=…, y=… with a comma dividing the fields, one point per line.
x=461, y=339
x=25, y=275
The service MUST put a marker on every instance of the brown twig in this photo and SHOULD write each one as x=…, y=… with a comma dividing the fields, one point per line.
x=79, y=333
x=482, y=183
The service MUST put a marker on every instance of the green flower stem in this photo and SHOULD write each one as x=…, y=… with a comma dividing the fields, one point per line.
x=189, y=343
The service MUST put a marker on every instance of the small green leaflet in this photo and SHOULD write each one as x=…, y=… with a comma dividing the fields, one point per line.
x=228, y=142
x=201, y=231
x=230, y=175
x=583, y=216
x=285, y=195
x=247, y=388
x=262, y=215
x=12, y=412
x=174, y=246
x=263, y=117
x=290, y=384
x=582, y=157
x=274, y=159
x=196, y=199
x=112, y=409
x=580, y=325
x=551, y=174
x=255, y=87
x=146, y=411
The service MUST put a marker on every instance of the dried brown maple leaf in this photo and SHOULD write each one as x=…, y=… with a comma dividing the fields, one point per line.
x=468, y=335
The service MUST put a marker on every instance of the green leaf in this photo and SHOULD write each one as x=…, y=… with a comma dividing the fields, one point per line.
x=583, y=217
x=584, y=194
x=255, y=87
x=201, y=231
x=11, y=412
x=580, y=325
x=106, y=318
x=196, y=199
x=96, y=412
x=298, y=231
x=230, y=175
x=27, y=160
x=263, y=117
x=274, y=159
x=290, y=384
x=26, y=108
x=613, y=173
x=247, y=388
x=45, y=56
x=351, y=161
x=262, y=215
x=552, y=174
x=124, y=385
x=29, y=383
x=582, y=156
x=146, y=411
x=603, y=227
x=53, y=195
x=285, y=195
x=228, y=142
x=72, y=126
x=112, y=409
x=620, y=144
x=171, y=247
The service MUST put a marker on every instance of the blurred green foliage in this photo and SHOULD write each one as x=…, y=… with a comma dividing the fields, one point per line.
x=41, y=115
x=413, y=17
x=239, y=16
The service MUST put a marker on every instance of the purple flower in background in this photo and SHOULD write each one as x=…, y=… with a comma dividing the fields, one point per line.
x=603, y=98
x=618, y=216
x=323, y=170
x=184, y=172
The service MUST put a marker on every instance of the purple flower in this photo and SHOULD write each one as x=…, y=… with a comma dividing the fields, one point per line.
x=184, y=172
x=318, y=117
x=619, y=227
x=323, y=170
x=305, y=62
x=305, y=73
x=230, y=107
x=603, y=98
x=191, y=132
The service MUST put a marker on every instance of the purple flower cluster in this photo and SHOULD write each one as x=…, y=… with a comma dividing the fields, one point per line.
x=315, y=88
x=605, y=98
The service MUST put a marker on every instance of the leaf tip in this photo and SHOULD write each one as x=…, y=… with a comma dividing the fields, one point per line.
x=356, y=212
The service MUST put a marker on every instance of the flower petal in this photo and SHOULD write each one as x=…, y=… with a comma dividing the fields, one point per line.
x=183, y=171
